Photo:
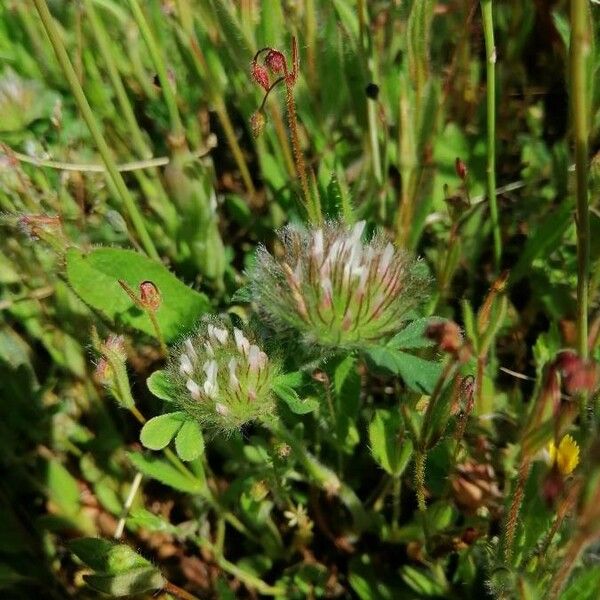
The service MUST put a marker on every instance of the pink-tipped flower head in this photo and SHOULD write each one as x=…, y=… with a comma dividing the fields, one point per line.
x=224, y=378
x=336, y=289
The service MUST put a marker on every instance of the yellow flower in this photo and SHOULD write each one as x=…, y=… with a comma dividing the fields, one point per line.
x=567, y=455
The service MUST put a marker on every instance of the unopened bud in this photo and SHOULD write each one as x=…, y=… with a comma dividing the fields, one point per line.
x=149, y=296
x=578, y=375
x=257, y=123
x=275, y=61
x=446, y=334
x=260, y=75
x=461, y=169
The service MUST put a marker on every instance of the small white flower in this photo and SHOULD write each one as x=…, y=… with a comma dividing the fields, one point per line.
x=194, y=389
x=233, y=380
x=185, y=365
x=221, y=409
x=254, y=358
x=190, y=349
x=241, y=341
x=318, y=245
x=386, y=259
x=220, y=335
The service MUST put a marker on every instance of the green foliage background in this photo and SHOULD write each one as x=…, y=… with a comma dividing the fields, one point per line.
x=389, y=94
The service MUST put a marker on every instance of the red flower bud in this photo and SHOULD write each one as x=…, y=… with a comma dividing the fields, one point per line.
x=461, y=168
x=446, y=334
x=577, y=375
x=275, y=61
x=149, y=296
x=260, y=75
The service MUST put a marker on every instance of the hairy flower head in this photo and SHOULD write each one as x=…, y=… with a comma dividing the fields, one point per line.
x=224, y=379
x=336, y=289
x=566, y=456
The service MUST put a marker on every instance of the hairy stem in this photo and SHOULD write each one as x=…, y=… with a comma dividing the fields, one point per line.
x=420, y=460
x=515, y=506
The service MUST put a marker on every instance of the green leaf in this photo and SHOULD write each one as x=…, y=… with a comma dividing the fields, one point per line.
x=62, y=488
x=293, y=380
x=419, y=375
x=135, y=581
x=388, y=446
x=544, y=240
x=147, y=520
x=412, y=336
x=295, y=404
x=160, y=385
x=421, y=582
x=189, y=442
x=164, y=472
x=107, y=556
x=94, y=277
x=159, y=431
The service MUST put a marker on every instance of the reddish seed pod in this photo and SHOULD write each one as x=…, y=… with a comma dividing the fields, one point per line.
x=260, y=75
x=446, y=334
x=275, y=61
x=577, y=375
x=461, y=168
x=149, y=296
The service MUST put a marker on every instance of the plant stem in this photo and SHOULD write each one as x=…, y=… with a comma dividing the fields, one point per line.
x=579, y=51
x=576, y=545
x=323, y=476
x=159, y=65
x=179, y=592
x=94, y=128
x=137, y=480
x=298, y=158
x=104, y=45
x=490, y=70
x=397, y=488
x=248, y=579
x=420, y=460
x=161, y=339
x=515, y=506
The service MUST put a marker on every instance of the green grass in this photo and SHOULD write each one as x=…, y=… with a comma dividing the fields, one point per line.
x=404, y=466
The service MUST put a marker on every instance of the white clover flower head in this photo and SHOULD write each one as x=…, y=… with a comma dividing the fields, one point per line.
x=335, y=288
x=225, y=380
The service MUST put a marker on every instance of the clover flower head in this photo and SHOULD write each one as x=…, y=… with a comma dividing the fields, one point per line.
x=224, y=379
x=336, y=289
x=566, y=456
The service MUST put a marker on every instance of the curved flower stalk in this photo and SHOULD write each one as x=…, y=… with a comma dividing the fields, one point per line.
x=336, y=289
x=222, y=378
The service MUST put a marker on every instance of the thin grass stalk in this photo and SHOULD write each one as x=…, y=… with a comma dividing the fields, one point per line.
x=490, y=72
x=94, y=128
x=159, y=65
x=579, y=52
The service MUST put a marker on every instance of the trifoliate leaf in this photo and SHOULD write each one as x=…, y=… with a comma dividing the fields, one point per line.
x=159, y=431
x=295, y=404
x=189, y=442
